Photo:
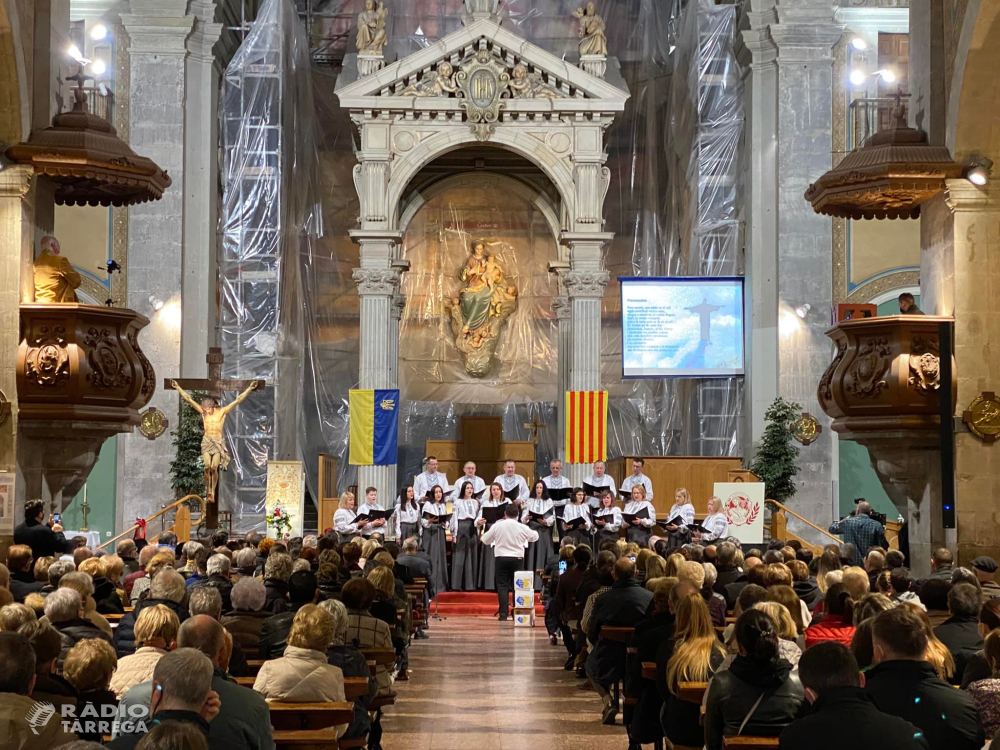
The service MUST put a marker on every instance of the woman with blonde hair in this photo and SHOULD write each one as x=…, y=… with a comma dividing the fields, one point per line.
x=155, y=635
x=114, y=569
x=937, y=654
x=674, y=563
x=693, y=656
x=656, y=567
x=683, y=511
x=160, y=561
x=788, y=633
x=644, y=517
x=303, y=675
x=786, y=595
x=343, y=518
x=369, y=549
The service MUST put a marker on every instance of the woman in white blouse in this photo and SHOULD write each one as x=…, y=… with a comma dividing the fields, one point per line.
x=465, y=540
x=607, y=520
x=434, y=537
x=577, y=508
x=343, y=518
x=537, y=555
x=716, y=523
x=407, y=515
x=487, y=561
x=679, y=534
x=640, y=529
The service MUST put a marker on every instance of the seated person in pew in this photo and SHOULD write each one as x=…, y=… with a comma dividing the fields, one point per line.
x=170, y=735
x=624, y=605
x=650, y=634
x=247, y=618
x=352, y=663
x=303, y=674
x=205, y=600
x=16, y=680
x=156, y=629
x=758, y=695
x=48, y=687
x=243, y=721
x=14, y=615
x=365, y=630
x=384, y=606
x=182, y=694
x=88, y=668
x=302, y=590
x=834, y=688
x=168, y=589
x=694, y=654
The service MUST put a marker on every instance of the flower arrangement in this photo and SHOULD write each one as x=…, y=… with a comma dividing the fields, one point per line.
x=278, y=520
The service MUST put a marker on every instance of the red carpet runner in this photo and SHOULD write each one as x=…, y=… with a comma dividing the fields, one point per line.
x=473, y=604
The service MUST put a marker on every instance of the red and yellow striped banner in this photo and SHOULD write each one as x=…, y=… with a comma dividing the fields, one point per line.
x=586, y=426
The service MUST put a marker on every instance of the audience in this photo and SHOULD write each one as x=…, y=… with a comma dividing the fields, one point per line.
x=960, y=632
x=49, y=687
x=302, y=674
x=106, y=599
x=218, y=578
x=837, y=623
x=163, y=560
x=941, y=566
x=985, y=567
x=363, y=629
x=977, y=666
x=788, y=635
x=758, y=695
x=167, y=589
x=146, y=555
x=934, y=597
x=245, y=622
x=22, y=578
x=13, y=616
x=904, y=684
x=834, y=688
x=64, y=610
x=644, y=722
x=986, y=692
x=624, y=605
x=243, y=721
x=83, y=584
x=274, y=631
x=156, y=631
x=17, y=678
x=570, y=612
x=352, y=663
x=277, y=571
x=126, y=552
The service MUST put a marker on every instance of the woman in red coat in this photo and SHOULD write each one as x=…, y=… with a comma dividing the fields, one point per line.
x=838, y=622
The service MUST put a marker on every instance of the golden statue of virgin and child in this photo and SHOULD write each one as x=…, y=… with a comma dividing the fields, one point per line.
x=481, y=309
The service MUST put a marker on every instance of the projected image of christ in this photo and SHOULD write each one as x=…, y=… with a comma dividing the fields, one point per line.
x=704, y=311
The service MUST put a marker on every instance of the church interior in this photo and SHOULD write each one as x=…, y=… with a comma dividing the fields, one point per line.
x=276, y=270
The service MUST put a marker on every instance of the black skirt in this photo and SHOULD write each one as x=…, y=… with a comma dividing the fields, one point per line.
x=465, y=556
x=537, y=556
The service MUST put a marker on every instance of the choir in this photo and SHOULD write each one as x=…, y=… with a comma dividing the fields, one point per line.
x=592, y=514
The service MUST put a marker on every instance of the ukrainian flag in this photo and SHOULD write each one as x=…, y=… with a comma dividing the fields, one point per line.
x=374, y=424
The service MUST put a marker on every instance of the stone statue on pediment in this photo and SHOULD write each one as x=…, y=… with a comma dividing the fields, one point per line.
x=526, y=85
x=482, y=6
x=371, y=27
x=434, y=83
x=591, y=32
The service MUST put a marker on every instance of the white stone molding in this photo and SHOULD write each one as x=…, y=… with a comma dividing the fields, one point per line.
x=376, y=281
x=561, y=307
x=585, y=284
x=369, y=63
x=596, y=65
x=158, y=27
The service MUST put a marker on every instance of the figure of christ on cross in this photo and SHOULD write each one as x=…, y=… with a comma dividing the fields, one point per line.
x=214, y=454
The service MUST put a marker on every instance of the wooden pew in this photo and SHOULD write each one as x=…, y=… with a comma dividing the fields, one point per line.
x=692, y=691
x=649, y=670
x=309, y=716
x=749, y=743
x=318, y=739
x=354, y=687
x=255, y=665
x=245, y=681
x=619, y=635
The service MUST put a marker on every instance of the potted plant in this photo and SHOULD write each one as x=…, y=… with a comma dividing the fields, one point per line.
x=775, y=455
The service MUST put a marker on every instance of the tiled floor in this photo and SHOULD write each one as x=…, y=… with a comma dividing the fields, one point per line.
x=477, y=684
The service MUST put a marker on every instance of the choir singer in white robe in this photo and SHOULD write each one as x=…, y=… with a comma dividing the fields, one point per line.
x=539, y=506
x=578, y=508
x=487, y=562
x=465, y=540
x=679, y=533
x=434, y=538
x=407, y=516
x=639, y=530
x=607, y=521
x=637, y=477
x=510, y=480
x=343, y=519
x=469, y=475
x=556, y=481
x=422, y=483
x=600, y=479
x=370, y=504
x=716, y=522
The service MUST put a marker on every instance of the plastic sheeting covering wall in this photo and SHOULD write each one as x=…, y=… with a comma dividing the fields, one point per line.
x=675, y=207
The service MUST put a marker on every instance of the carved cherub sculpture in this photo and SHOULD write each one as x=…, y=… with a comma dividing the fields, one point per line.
x=435, y=83
x=591, y=32
x=527, y=85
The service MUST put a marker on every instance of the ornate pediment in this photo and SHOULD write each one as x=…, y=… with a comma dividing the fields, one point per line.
x=480, y=67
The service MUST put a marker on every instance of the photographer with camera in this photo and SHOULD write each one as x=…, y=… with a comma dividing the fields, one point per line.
x=861, y=530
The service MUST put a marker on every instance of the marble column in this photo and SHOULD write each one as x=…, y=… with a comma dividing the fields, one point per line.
x=378, y=289
x=791, y=131
x=17, y=228
x=200, y=177
x=959, y=231
x=158, y=31
x=562, y=308
x=585, y=289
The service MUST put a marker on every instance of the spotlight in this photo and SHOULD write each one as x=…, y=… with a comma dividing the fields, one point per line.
x=99, y=31
x=858, y=77
x=858, y=43
x=979, y=170
x=97, y=67
x=888, y=76
x=803, y=310
x=75, y=53
x=155, y=303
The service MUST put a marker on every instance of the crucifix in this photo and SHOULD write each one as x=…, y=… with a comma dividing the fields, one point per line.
x=213, y=445
x=534, y=425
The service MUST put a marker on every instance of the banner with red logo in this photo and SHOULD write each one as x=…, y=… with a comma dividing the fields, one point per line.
x=743, y=504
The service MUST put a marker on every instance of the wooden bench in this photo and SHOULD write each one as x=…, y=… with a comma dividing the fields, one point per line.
x=319, y=739
x=354, y=687
x=618, y=635
x=254, y=665
x=749, y=743
x=383, y=657
x=693, y=692
x=113, y=619
x=245, y=681
x=299, y=716
x=649, y=670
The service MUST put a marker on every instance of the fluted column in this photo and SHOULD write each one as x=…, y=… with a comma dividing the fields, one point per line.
x=379, y=331
x=562, y=308
x=585, y=289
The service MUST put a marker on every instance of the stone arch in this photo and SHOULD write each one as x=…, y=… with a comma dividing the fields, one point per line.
x=475, y=179
x=406, y=166
x=975, y=87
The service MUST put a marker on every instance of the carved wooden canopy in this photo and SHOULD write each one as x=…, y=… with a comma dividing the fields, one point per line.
x=886, y=178
x=89, y=164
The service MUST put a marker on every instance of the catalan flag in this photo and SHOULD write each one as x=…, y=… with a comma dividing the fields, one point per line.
x=586, y=426
x=373, y=427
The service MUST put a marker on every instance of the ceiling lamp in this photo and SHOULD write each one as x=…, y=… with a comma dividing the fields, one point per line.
x=888, y=177
x=86, y=160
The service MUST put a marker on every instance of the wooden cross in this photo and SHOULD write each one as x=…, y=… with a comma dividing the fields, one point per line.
x=214, y=385
x=534, y=425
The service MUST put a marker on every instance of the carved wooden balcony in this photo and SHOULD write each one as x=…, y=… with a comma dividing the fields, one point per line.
x=82, y=363
x=885, y=376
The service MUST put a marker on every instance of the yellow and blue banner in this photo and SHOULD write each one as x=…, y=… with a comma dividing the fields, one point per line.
x=374, y=424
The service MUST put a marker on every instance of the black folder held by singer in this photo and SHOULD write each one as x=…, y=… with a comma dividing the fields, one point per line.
x=513, y=493
x=443, y=519
x=591, y=490
x=540, y=517
x=628, y=518
x=492, y=515
x=561, y=493
x=576, y=523
x=375, y=515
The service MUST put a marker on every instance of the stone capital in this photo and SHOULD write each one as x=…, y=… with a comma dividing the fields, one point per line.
x=762, y=48
x=15, y=180
x=562, y=308
x=398, y=306
x=584, y=284
x=379, y=282
x=962, y=196
x=158, y=35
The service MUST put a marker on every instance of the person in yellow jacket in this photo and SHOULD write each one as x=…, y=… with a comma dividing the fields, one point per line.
x=55, y=279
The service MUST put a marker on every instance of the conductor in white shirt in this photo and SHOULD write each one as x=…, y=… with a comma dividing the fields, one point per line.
x=508, y=538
